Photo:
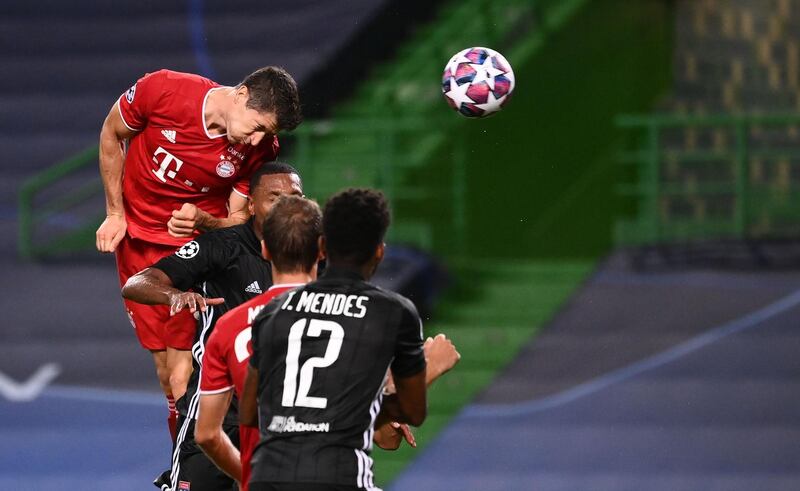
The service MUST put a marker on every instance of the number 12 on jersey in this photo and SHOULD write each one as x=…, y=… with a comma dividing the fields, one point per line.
x=294, y=393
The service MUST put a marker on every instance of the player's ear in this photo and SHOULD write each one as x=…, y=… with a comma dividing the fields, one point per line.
x=380, y=251
x=242, y=95
x=265, y=252
x=321, y=254
x=251, y=207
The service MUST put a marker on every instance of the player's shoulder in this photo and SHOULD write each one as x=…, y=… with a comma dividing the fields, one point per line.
x=173, y=77
x=392, y=298
x=228, y=237
x=170, y=82
x=388, y=299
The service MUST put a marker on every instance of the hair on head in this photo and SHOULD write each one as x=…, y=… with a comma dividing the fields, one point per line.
x=272, y=90
x=268, y=168
x=291, y=233
x=354, y=224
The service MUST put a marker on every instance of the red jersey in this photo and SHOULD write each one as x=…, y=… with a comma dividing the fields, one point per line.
x=225, y=362
x=174, y=160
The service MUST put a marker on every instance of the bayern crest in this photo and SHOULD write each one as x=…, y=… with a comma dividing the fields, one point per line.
x=225, y=169
x=477, y=82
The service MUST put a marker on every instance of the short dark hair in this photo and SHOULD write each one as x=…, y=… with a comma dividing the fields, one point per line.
x=291, y=233
x=273, y=167
x=354, y=224
x=272, y=90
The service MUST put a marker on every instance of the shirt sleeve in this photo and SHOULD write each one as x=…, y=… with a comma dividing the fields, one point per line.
x=138, y=102
x=215, y=376
x=195, y=261
x=409, y=357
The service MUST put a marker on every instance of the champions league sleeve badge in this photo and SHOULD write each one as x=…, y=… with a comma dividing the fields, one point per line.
x=188, y=250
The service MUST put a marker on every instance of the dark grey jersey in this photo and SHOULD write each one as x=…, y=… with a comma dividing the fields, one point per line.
x=323, y=352
x=224, y=263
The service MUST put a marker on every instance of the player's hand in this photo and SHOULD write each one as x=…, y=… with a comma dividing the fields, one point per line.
x=184, y=221
x=405, y=431
x=110, y=233
x=192, y=301
x=390, y=435
x=440, y=354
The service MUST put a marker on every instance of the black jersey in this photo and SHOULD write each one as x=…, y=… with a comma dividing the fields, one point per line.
x=323, y=351
x=224, y=263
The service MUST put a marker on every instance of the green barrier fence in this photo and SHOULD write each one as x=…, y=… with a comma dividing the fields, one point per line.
x=711, y=177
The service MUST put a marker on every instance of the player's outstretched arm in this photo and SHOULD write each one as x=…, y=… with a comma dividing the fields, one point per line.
x=152, y=286
x=112, y=136
x=440, y=356
x=210, y=437
x=190, y=218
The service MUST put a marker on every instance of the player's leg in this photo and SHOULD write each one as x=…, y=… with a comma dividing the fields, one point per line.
x=160, y=361
x=132, y=256
x=180, y=331
x=178, y=365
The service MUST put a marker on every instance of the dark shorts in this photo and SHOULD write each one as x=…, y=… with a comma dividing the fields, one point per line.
x=195, y=470
x=293, y=486
x=198, y=473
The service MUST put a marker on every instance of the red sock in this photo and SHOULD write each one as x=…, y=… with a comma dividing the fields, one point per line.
x=172, y=418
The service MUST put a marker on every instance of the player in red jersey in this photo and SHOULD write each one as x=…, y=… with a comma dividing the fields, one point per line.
x=192, y=147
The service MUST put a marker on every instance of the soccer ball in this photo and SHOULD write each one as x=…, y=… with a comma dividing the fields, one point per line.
x=477, y=82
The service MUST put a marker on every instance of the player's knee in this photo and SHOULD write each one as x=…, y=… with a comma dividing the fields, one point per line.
x=178, y=380
x=163, y=379
x=203, y=437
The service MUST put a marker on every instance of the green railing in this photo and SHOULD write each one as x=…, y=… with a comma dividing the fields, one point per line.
x=38, y=208
x=711, y=177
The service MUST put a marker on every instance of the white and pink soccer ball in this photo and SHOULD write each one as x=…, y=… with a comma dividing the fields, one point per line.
x=477, y=82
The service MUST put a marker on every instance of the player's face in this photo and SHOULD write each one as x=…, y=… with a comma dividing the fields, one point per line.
x=248, y=126
x=269, y=189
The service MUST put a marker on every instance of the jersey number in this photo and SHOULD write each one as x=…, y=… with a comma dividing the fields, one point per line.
x=296, y=393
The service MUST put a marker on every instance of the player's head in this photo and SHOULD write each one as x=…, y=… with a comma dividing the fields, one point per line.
x=271, y=181
x=291, y=234
x=265, y=102
x=353, y=226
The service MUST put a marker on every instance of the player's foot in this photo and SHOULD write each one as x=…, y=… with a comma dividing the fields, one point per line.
x=163, y=481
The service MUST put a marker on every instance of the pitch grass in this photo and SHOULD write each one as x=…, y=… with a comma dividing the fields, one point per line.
x=495, y=308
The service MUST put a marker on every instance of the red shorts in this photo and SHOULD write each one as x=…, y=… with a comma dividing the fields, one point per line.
x=154, y=327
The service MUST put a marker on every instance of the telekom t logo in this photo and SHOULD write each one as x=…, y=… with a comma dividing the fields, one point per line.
x=165, y=163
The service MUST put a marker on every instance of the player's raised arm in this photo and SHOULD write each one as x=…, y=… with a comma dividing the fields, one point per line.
x=112, y=136
x=190, y=218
